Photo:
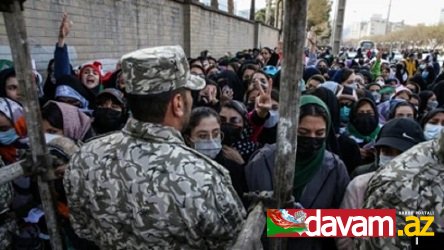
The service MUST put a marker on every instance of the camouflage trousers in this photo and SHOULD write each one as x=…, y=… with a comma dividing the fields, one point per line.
x=8, y=227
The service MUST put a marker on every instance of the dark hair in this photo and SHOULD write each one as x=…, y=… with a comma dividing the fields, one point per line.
x=198, y=66
x=346, y=73
x=430, y=115
x=314, y=110
x=246, y=66
x=268, y=49
x=194, y=60
x=235, y=66
x=152, y=108
x=197, y=115
x=402, y=104
x=210, y=68
x=317, y=77
x=52, y=113
x=260, y=71
x=238, y=107
x=432, y=74
x=424, y=96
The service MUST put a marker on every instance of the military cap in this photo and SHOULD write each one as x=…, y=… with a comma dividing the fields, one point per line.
x=157, y=70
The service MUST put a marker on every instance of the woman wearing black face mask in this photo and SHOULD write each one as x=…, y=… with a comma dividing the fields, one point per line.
x=111, y=112
x=320, y=176
x=241, y=129
x=364, y=127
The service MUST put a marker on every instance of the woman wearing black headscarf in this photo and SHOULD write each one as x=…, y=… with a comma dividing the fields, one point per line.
x=329, y=98
x=438, y=89
x=425, y=97
x=429, y=75
x=230, y=85
x=341, y=145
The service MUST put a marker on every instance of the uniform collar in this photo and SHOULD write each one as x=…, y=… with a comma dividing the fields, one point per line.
x=152, y=132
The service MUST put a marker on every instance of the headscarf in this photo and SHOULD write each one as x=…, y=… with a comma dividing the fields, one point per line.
x=75, y=123
x=75, y=84
x=332, y=103
x=354, y=130
x=96, y=66
x=15, y=113
x=438, y=89
x=424, y=97
x=230, y=79
x=306, y=169
x=4, y=75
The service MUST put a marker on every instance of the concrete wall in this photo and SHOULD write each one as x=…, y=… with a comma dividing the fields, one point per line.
x=267, y=36
x=219, y=32
x=111, y=28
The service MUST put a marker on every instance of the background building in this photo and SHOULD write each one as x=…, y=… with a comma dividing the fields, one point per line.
x=441, y=17
x=377, y=25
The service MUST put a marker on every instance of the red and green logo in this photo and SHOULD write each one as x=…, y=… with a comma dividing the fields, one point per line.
x=280, y=223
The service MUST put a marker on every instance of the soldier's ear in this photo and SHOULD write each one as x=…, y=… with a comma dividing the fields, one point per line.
x=178, y=105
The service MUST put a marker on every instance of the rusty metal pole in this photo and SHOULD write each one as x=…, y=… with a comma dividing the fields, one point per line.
x=291, y=75
x=16, y=30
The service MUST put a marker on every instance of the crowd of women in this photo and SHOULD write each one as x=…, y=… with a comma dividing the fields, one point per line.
x=347, y=108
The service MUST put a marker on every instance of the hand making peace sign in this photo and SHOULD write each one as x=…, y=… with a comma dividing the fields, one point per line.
x=263, y=100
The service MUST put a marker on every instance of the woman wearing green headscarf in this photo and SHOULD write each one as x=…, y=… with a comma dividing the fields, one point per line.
x=320, y=176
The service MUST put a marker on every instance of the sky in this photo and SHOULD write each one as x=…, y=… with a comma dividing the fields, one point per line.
x=413, y=12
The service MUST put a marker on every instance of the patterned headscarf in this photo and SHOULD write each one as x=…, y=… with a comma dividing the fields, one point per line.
x=14, y=112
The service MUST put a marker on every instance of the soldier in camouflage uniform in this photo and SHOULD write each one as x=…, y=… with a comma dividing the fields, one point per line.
x=413, y=181
x=143, y=188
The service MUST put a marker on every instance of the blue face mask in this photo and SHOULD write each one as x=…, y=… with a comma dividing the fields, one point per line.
x=8, y=137
x=432, y=131
x=344, y=114
x=210, y=148
x=273, y=119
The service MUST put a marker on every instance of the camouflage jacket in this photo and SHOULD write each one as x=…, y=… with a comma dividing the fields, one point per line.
x=143, y=188
x=413, y=181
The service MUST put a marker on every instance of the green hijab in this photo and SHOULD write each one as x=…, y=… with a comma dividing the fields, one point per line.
x=305, y=169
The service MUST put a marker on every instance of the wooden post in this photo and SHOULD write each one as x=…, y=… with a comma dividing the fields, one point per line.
x=291, y=75
x=12, y=171
x=268, y=14
x=230, y=7
x=215, y=4
x=252, y=10
x=338, y=26
x=252, y=230
x=16, y=30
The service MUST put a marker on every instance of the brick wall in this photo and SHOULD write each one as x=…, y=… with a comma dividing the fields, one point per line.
x=110, y=28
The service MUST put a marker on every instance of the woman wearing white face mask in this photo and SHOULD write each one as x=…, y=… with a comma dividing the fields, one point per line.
x=205, y=136
x=433, y=124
